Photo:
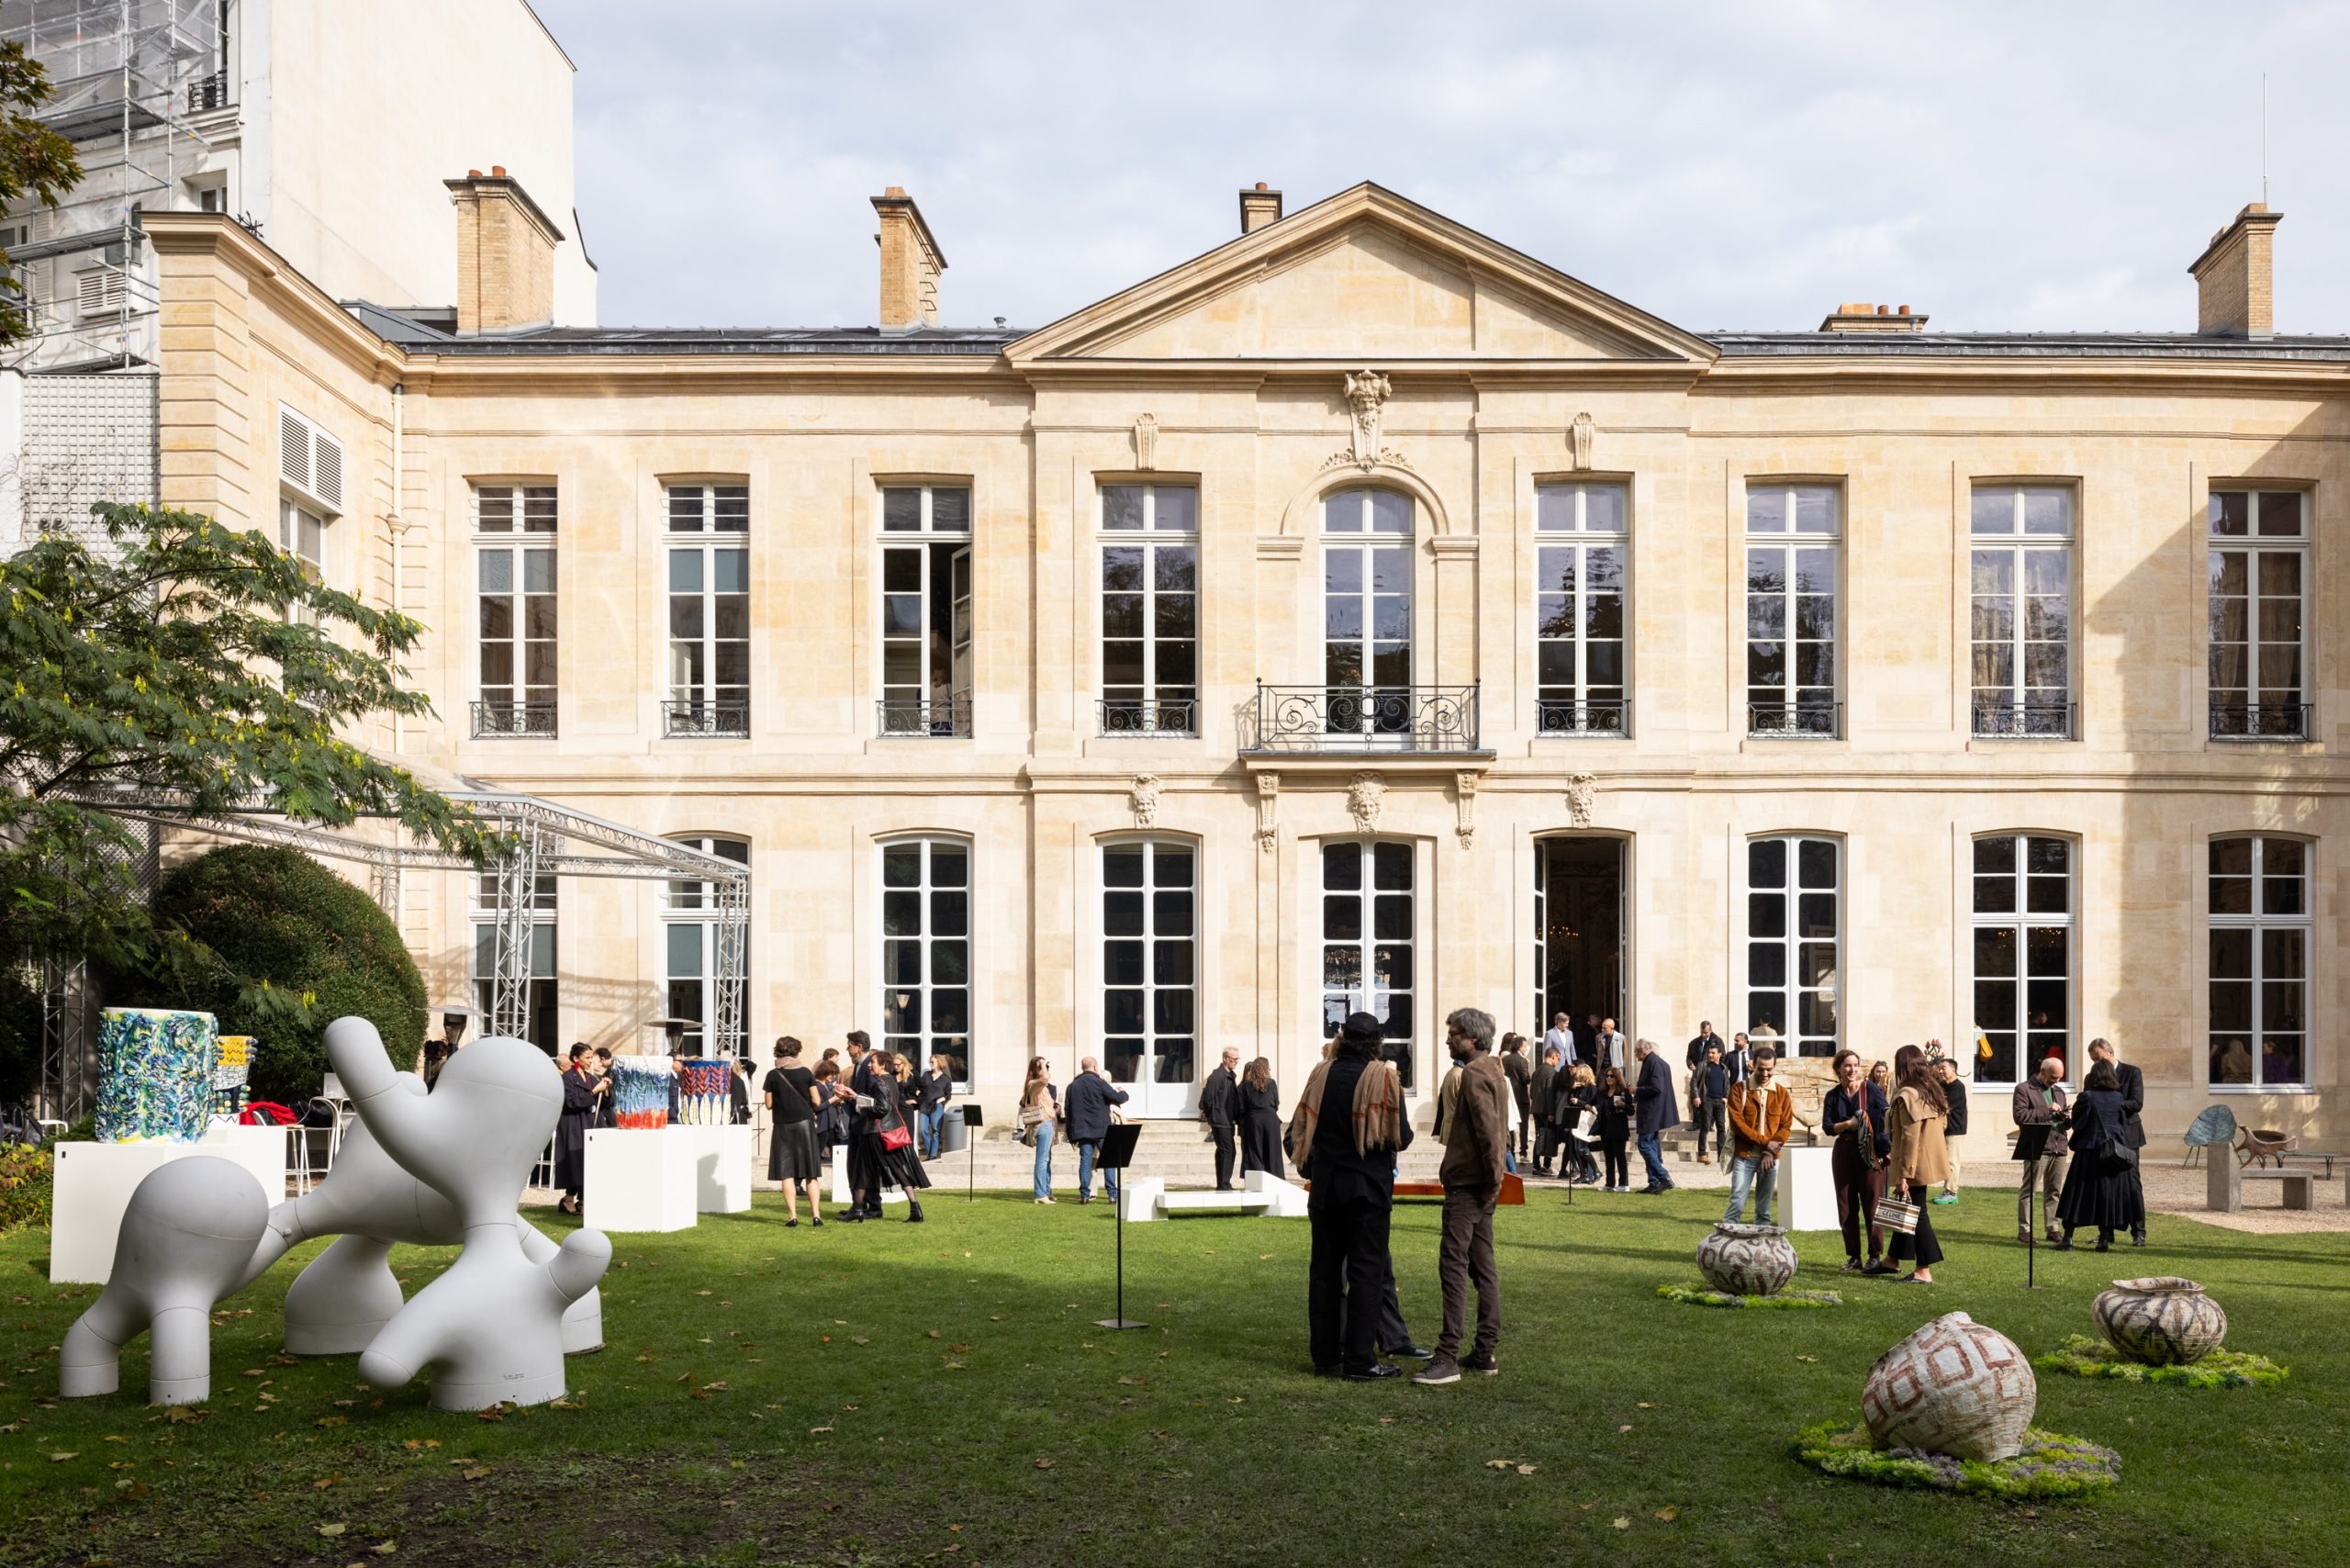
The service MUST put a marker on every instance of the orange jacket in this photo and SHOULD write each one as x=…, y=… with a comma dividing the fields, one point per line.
x=1758, y=1120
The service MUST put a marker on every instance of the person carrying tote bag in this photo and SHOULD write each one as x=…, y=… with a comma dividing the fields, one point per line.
x=1918, y=1162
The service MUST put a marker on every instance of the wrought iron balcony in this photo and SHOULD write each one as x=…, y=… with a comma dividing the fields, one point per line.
x=1795, y=721
x=496, y=719
x=1149, y=716
x=706, y=716
x=1565, y=716
x=209, y=93
x=2034, y=718
x=2259, y=720
x=1327, y=719
x=950, y=719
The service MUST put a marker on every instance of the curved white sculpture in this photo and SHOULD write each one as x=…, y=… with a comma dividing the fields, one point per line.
x=188, y=1233
x=491, y=1326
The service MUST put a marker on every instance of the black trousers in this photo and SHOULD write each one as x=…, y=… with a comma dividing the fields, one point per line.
x=1348, y=1270
x=1922, y=1249
x=1392, y=1336
x=1226, y=1151
x=1714, y=1113
x=1619, y=1172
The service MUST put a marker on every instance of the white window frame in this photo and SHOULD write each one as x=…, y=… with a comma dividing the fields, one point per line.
x=898, y=712
x=2259, y=924
x=1564, y=709
x=2012, y=712
x=1153, y=1096
x=1363, y=708
x=927, y=1036
x=2020, y=920
x=2245, y=720
x=1360, y=997
x=1151, y=711
x=693, y=901
x=1791, y=943
x=534, y=508
x=718, y=524
x=1794, y=716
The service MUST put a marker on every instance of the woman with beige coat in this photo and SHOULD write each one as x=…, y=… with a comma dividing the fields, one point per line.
x=1919, y=1159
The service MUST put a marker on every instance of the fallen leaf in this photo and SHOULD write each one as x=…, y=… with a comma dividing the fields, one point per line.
x=1623, y=1523
x=858, y=1340
x=1626, y=1427
x=1500, y=1463
x=1528, y=1469
x=475, y=1472
x=116, y=1439
x=186, y=1415
x=701, y=1293
x=1041, y=1464
x=62, y=1457
x=1807, y=1358
x=1646, y=1406
x=1387, y=1420
x=331, y=1529
x=814, y=1430
x=1669, y=1513
x=323, y=1481
x=385, y=1547
x=931, y=1333
x=958, y=1350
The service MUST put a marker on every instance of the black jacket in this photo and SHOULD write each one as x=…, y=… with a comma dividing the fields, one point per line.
x=1837, y=1106
x=2099, y=1118
x=2133, y=1100
x=1521, y=1075
x=1339, y=1173
x=1539, y=1088
x=935, y=1089
x=1086, y=1104
x=1615, y=1115
x=1219, y=1098
x=1659, y=1110
x=1956, y=1092
x=1711, y=1082
x=1697, y=1044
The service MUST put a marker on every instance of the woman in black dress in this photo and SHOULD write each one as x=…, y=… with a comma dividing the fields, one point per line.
x=1260, y=1120
x=901, y=1167
x=1616, y=1109
x=1572, y=1093
x=790, y=1090
x=2102, y=1188
x=580, y=1088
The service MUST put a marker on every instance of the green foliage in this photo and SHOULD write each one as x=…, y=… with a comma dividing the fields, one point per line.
x=28, y=1178
x=34, y=160
x=1699, y=1295
x=2051, y=1466
x=297, y=930
x=2084, y=1356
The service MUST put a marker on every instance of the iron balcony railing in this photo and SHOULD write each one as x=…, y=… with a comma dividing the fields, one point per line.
x=1362, y=718
x=2260, y=720
x=2034, y=718
x=494, y=719
x=706, y=716
x=209, y=93
x=1149, y=716
x=1795, y=721
x=1565, y=716
x=948, y=719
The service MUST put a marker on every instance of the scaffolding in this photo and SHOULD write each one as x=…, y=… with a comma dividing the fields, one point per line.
x=129, y=80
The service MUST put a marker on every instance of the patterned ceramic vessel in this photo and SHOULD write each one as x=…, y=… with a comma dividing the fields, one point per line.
x=641, y=1091
x=2164, y=1321
x=1747, y=1260
x=154, y=1074
x=1953, y=1387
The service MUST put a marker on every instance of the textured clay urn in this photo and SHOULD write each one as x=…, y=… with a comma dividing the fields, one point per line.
x=1747, y=1260
x=2162, y=1322
x=1953, y=1387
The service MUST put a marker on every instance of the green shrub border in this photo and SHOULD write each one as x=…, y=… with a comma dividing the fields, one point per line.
x=2051, y=1466
x=28, y=1180
x=1699, y=1295
x=2081, y=1356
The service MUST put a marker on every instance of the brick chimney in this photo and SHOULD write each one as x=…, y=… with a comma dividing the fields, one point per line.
x=2234, y=294
x=1259, y=207
x=1860, y=316
x=910, y=262
x=505, y=254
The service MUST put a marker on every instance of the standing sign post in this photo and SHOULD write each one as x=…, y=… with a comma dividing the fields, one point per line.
x=1118, y=1153
x=971, y=1144
x=2031, y=1142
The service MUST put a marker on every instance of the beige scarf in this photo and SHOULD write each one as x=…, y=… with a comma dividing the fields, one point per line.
x=1378, y=1109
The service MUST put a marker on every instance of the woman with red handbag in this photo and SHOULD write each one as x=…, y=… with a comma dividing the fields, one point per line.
x=890, y=1155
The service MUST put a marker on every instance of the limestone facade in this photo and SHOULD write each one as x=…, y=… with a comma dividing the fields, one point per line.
x=1363, y=343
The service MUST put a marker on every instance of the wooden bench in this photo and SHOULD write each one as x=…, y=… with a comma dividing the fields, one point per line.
x=2225, y=1180
x=1512, y=1190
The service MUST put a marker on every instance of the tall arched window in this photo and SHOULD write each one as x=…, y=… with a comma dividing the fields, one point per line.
x=690, y=950
x=2023, y=956
x=1367, y=612
x=1368, y=957
x=1793, y=933
x=1150, y=973
x=926, y=950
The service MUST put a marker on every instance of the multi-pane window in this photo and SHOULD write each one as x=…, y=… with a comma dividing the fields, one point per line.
x=926, y=950
x=1581, y=561
x=1367, y=613
x=1150, y=971
x=515, y=597
x=545, y=1027
x=710, y=612
x=2022, y=624
x=1792, y=532
x=2260, y=961
x=2259, y=564
x=302, y=535
x=1367, y=940
x=2023, y=956
x=1150, y=610
x=1794, y=932
x=689, y=951
x=925, y=611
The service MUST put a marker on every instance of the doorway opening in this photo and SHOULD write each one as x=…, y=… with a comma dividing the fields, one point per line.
x=1580, y=928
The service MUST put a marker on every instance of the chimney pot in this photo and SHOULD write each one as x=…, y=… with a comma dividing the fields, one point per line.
x=2235, y=277
x=497, y=171
x=1260, y=184
x=505, y=254
x=1259, y=207
x=1866, y=316
x=473, y=173
x=910, y=262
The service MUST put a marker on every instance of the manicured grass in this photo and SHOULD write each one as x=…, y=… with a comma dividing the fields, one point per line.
x=883, y=1383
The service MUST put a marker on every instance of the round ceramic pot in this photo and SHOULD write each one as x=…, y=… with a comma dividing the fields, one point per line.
x=1953, y=1387
x=2162, y=1322
x=1746, y=1259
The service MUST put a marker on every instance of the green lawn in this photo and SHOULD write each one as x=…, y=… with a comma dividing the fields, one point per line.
x=852, y=1396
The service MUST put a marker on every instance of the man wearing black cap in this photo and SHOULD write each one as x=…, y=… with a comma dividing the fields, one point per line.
x=1348, y=1128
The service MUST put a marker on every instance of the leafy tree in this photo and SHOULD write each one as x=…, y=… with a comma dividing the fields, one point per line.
x=186, y=660
x=34, y=160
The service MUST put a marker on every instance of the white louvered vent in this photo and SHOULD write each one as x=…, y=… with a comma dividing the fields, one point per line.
x=292, y=449
x=98, y=292
x=310, y=461
x=326, y=467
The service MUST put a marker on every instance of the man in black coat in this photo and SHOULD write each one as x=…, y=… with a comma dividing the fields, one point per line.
x=1521, y=1074
x=1656, y=1113
x=1220, y=1109
x=1354, y=1190
x=2134, y=1103
x=1540, y=1091
x=1954, y=1128
x=1085, y=1106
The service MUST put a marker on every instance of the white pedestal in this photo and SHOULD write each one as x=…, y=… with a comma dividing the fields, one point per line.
x=641, y=1178
x=841, y=1196
x=94, y=1181
x=1138, y=1198
x=721, y=1168
x=1289, y=1199
x=1809, y=1192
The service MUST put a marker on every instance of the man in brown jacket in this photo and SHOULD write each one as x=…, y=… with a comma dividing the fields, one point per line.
x=1761, y=1113
x=1474, y=1123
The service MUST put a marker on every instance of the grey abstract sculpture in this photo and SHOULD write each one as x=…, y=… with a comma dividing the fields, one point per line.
x=186, y=1235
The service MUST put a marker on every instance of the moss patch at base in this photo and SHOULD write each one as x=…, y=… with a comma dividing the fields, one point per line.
x=2052, y=1465
x=1699, y=1295
x=2084, y=1356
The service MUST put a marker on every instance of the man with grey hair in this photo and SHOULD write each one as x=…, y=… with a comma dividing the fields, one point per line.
x=1085, y=1106
x=1472, y=1122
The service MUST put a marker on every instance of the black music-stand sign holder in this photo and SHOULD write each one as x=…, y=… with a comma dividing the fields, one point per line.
x=1116, y=1154
x=2031, y=1142
x=971, y=1147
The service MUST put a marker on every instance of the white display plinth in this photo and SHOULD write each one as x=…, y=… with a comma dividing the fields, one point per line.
x=841, y=1196
x=641, y=1178
x=721, y=1168
x=1809, y=1194
x=94, y=1181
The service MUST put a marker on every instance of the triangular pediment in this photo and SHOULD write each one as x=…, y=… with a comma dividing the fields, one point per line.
x=1365, y=275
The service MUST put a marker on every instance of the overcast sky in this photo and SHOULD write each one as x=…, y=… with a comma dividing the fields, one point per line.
x=2028, y=166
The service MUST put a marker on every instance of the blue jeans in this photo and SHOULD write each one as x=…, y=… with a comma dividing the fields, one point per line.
x=1747, y=1172
x=1044, y=1160
x=1088, y=1150
x=1653, y=1156
x=930, y=1121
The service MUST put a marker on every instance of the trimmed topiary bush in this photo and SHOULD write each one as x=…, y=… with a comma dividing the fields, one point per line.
x=277, y=915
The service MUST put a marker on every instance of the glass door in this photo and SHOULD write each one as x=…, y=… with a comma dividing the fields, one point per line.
x=1149, y=977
